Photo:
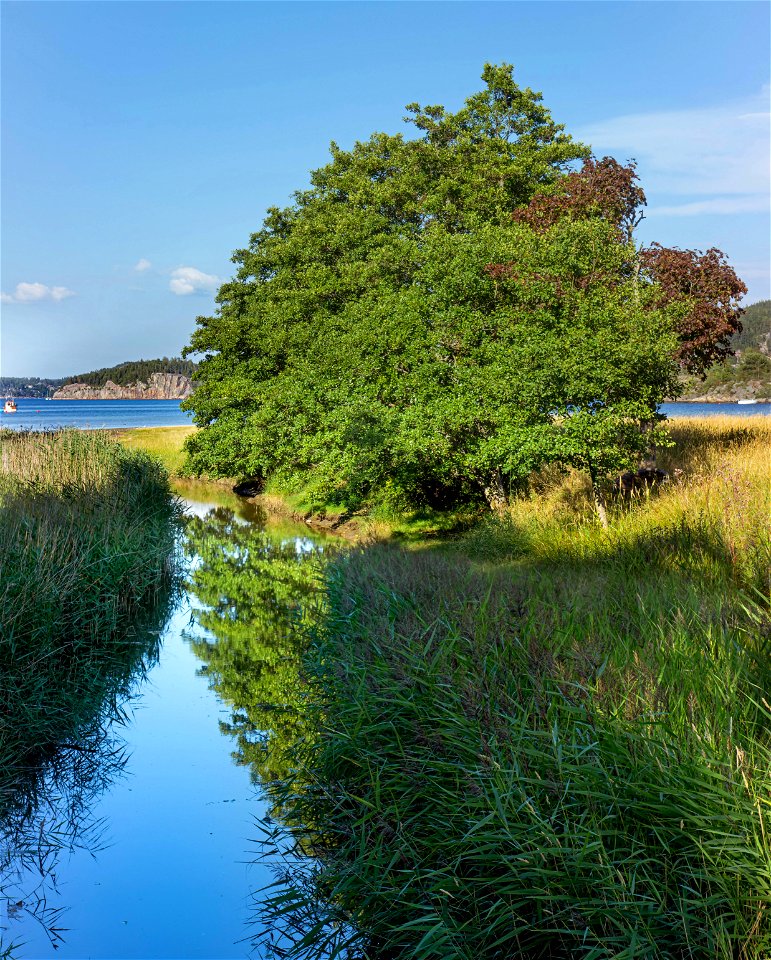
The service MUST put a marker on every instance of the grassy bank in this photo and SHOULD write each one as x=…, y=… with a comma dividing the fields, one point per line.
x=557, y=504
x=165, y=443
x=709, y=520
x=86, y=549
x=548, y=740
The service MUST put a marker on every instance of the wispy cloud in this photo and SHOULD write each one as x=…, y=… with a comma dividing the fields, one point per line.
x=187, y=280
x=719, y=205
x=141, y=265
x=719, y=155
x=31, y=292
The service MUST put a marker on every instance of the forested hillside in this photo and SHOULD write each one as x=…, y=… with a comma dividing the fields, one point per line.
x=133, y=370
x=747, y=375
x=28, y=386
x=756, y=328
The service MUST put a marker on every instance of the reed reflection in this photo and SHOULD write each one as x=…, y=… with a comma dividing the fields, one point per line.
x=49, y=791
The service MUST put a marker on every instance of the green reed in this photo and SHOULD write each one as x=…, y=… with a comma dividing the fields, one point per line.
x=87, y=552
x=530, y=766
x=545, y=741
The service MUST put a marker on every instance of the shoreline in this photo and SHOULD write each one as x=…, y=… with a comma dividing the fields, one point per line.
x=755, y=401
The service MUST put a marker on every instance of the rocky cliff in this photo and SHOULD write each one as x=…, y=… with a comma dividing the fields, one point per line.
x=159, y=386
x=730, y=392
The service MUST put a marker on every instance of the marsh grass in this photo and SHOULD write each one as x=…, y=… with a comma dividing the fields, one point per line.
x=710, y=520
x=88, y=576
x=87, y=552
x=545, y=741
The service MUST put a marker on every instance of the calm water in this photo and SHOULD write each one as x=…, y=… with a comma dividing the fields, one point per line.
x=169, y=870
x=97, y=414
x=716, y=409
x=36, y=414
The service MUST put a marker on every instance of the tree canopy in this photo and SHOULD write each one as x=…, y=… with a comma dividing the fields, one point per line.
x=436, y=316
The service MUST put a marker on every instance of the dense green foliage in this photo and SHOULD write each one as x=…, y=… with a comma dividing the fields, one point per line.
x=343, y=355
x=417, y=328
x=568, y=756
x=133, y=370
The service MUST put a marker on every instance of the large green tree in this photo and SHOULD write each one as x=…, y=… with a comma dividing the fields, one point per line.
x=321, y=338
x=437, y=316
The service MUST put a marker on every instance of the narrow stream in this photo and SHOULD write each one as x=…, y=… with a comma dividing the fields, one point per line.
x=163, y=819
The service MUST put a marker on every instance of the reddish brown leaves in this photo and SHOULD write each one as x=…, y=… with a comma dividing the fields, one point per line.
x=712, y=290
x=602, y=188
x=703, y=282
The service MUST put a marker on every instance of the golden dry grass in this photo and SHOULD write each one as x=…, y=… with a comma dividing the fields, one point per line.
x=711, y=516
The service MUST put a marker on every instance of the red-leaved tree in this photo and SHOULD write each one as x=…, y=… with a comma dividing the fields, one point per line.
x=709, y=289
x=602, y=188
x=705, y=285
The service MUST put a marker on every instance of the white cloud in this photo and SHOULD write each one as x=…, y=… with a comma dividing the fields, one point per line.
x=142, y=265
x=719, y=205
x=61, y=293
x=187, y=280
x=719, y=152
x=30, y=292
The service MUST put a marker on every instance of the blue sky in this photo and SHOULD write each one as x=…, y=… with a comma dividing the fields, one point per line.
x=143, y=141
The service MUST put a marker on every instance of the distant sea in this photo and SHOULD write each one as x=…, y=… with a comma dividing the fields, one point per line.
x=37, y=414
x=715, y=409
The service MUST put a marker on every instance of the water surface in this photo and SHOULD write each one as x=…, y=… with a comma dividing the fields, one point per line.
x=171, y=872
x=37, y=414
x=716, y=409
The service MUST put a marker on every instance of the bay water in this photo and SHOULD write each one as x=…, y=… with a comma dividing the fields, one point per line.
x=37, y=414
x=34, y=413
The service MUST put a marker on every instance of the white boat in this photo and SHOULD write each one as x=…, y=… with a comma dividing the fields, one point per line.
x=10, y=406
x=746, y=401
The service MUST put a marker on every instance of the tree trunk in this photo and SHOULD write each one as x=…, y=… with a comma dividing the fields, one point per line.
x=495, y=493
x=599, y=499
x=636, y=280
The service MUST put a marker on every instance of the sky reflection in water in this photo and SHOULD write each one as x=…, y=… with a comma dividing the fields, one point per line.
x=177, y=876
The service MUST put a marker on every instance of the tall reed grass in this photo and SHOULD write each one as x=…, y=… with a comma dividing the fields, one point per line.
x=86, y=552
x=566, y=754
x=710, y=519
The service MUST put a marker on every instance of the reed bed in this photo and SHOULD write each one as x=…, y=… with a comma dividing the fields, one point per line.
x=709, y=519
x=87, y=534
x=566, y=754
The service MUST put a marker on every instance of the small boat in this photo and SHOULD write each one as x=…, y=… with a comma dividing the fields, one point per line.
x=10, y=406
x=746, y=401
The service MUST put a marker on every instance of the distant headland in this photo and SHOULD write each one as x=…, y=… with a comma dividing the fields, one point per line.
x=159, y=386
x=161, y=379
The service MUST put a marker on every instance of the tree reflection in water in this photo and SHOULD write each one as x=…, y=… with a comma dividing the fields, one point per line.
x=47, y=797
x=258, y=591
